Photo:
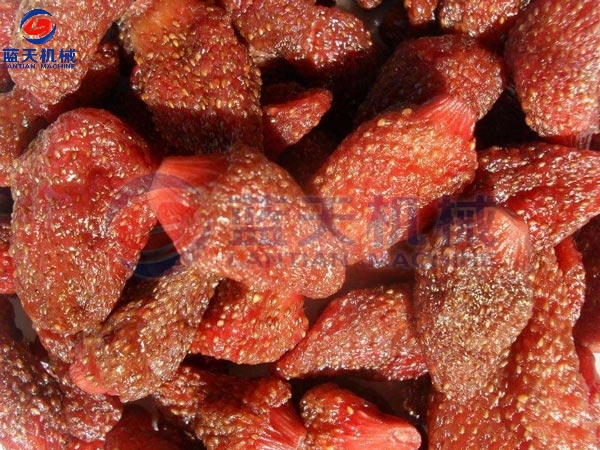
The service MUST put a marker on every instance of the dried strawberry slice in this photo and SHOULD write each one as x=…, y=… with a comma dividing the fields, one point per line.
x=253, y=224
x=202, y=101
x=18, y=126
x=230, y=412
x=419, y=69
x=421, y=12
x=473, y=296
x=555, y=189
x=337, y=418
x=488, y=20
x=142, y=343
x=538, y=398
x=289, y=113
x=78, y=31
x=30, y=416
x=8, y=11
x=7, y=282
x=248, y=326
x=587, y=331
x=379, y=179
x=369, y=332
x=557, y=84
x=80, y=219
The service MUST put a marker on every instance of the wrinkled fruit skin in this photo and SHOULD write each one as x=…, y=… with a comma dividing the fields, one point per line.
x=557, y=84
x=79, y=219
x=473, y=296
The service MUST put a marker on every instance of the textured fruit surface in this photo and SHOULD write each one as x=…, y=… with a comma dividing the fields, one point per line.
x=587, y=329
x=79, y=219
x=557, y=84
x=419, y=69
x=537, y=397
x=337, y=418
x=289, y=113
x=202, y=101
x=555, y=189
x=79, y=28
x=8, y=10
x=31, y=399
x=390, y=167
x=368, y=332
x=228, y=412
x=142, y=343
x=473, y=296
x=256, y=226
x=248, y=326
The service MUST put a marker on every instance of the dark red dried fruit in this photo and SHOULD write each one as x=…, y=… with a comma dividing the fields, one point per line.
x=142, y=343
x=367, y=332
x=587, y=328
x=419, y=69
x=79, y=27
x=79, y=220
x=488, y=20
x=472, y=298
x=252, y=223
x=538, y=398
x=558, y=84
x=202, y=101
x=289, y=113
x=20, y=120
x=228, y=412
x=421, y=12
x=248, y=326
x=8, y=11
x=329, y=47
x=30, y=411
x=555, y=189
x=380, y=178
x=337, y=418
x=7, y=281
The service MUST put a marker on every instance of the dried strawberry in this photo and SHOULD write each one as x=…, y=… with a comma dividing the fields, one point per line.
x=289, y=113
x=555, y=189
x=142, y=343
x=30, y=412
x=488, y=20
x=420, y=69
x=79, y=220
x=78, y=31
x=368, y=4
x=228, y=412
x=18, y=126
x=337, y=418
x=587, y=331
x=472, y=297
x=538, y=397
x=7, y=282
x=369, y=332
x=421, y=12
x=379, y=179
x=329, y=47
x=252, y=223
x=202, y=101
x=8, y=11
x=395, y=26
x=558, y=84
x=248, y=326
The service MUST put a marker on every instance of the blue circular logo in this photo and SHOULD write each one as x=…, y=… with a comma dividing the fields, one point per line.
x=38, y=26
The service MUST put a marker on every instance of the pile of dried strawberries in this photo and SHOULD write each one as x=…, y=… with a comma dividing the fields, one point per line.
x=273, y=224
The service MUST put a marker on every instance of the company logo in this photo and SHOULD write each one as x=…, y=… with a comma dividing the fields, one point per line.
x=37, y=26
